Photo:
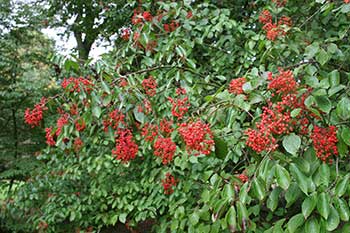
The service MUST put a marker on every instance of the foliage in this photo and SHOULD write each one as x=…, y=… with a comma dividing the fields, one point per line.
x=281, y=131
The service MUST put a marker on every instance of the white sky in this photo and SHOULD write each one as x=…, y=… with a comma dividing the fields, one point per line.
x=65, y=46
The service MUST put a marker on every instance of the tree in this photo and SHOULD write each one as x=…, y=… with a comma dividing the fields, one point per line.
x=89, y=21
x=202, y=121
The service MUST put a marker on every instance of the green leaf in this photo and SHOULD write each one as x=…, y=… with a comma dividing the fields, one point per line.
x=258, y=189
x=229, y=192
x=312, y=226
x=300, y=178
x=309, y=205
x=122, y=217
x=291, y=143
x=343, y=208
x=333, y=219
x=105, y=87
x=311, y=50
x=334, y=78
x=322, y=57
x=295, y=112
x=343, y=108
x=231, y=219
x=345, y=135
x=324, y=173
x=323, y=206
x=342, y=186
x=292, y=194
x=96, y=111
x=194, y=218
x=282, y=176
x=272, y=201
x=323, y=103
x=242, y=213
x=295, y=222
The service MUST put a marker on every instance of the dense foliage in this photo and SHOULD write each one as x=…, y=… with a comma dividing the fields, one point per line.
x=203, y=120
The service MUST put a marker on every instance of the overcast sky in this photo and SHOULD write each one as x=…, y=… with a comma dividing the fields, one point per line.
x=65, y=46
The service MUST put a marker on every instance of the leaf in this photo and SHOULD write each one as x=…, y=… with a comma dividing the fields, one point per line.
x=242, y=214
x=323, y=103
x=258, y=189
x=343, y=108
x=292, y=194
x=312, y=226
x=342, y=208
x=295, y=112
x=139, y=116
x=311, y=50
x=122, y=217
x=323, y=206
x=341, y=186
x=291, y=143
x=295, y=222
x=324, y=174
x=194, y=218
x=322, y=57
x=309, y=205
x=231, y=219
x=345, y=135
x=283, y=177
x=272, y=201
x=96, y=111
x=229, y=192
x=300, y=178
x=105, y=87
x=333, y=219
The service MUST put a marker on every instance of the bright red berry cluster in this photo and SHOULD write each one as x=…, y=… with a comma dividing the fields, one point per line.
x=149, y=131
x=260, y=141
x=77, y=84
x=166, y=126
x=180, y=107
x=150, y=86
x=49, y=137
x=168, y=183
x=171, y=26
x=34, y=117
x=197, y=136
x=244, y=178
x=325, y=142
x=125, y=149
x=115, y=118
x=283, y=83
x=274, y=30
x=236, y=86
x=61, y=121
x=80, y=125
x=164, y=148
x=280, y=3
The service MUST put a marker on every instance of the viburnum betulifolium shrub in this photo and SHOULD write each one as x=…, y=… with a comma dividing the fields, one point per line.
x=205, y=119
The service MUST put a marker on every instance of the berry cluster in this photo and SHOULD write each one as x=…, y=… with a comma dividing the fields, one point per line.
x=115, y=118
x=149, y=131
x=125, y=149
x=283, y=83
x=274, y=30
x=76, y=84
x=164, y=148
x=325, y=142
x=80, y=125
x=244, y=178
x=197, y=136
x=49, y=137
x=150, y=86
x=168, y=183
x=166, y=126
x=61, y=121
x=78, y=144
x=33, y=117
x=180, y=107
x=236, y=86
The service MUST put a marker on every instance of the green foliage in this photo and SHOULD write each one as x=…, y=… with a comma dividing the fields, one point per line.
x=283, y=187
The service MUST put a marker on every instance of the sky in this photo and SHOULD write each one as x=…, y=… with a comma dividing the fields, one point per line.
x=65, y=45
